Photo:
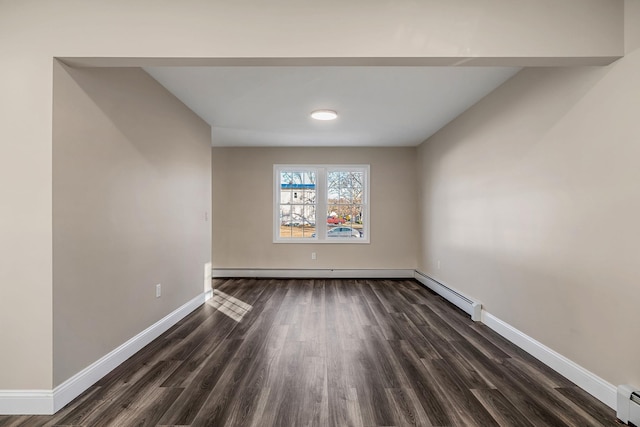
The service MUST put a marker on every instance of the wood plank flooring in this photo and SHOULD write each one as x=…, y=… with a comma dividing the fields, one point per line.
x=328, y=353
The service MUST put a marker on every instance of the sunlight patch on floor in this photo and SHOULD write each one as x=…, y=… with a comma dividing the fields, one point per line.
x=229, y=305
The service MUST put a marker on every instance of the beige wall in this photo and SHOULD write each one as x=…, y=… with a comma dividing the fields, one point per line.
x=243, y=210
x=131, y=185
x=530, y=202
x=32, y=32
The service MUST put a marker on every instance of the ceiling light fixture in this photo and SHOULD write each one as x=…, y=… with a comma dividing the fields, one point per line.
x=324, y=115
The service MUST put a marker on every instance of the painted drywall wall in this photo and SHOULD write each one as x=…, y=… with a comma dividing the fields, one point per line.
x=243, y=210
x=530, y=202
x=33, y=32
x=131, y=187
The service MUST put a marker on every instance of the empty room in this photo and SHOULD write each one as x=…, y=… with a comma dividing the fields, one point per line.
x=362, y=213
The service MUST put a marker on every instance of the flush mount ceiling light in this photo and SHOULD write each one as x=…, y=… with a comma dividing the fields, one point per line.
x=324, y=115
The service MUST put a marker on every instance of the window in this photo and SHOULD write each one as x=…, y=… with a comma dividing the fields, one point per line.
x=321, y=204
x=297, y=203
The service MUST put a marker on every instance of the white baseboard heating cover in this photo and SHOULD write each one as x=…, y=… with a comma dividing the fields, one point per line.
x=464, y=303
x=629, y=405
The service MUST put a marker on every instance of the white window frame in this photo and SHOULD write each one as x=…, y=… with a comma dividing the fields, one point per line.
x=321, y=172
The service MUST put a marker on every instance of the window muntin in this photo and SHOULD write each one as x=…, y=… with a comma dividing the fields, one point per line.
x=321, y=204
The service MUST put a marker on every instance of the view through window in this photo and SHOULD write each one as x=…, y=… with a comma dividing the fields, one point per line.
x=297, y=203
x=325, y=204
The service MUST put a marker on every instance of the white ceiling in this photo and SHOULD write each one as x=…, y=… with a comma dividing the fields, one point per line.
x=377, y=106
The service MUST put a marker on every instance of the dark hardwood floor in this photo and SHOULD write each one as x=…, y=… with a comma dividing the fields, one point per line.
x=328, y=353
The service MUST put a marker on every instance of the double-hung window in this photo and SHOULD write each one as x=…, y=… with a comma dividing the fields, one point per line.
x=321, y=204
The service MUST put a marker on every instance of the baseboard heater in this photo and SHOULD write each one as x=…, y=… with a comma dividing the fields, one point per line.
x=629, y=405
x=464, y=303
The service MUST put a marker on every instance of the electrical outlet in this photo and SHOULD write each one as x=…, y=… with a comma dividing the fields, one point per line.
x=313, y=255
x=158, y=290
x=438, y=262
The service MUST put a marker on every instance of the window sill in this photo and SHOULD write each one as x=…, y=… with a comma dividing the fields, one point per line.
x=333, y=241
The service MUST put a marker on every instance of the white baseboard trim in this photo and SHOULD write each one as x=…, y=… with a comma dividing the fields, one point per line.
x=314, y=273
x=468, y=305
x=26, y=402
x=588, y=381
x=81, y=381
x=594, y=385
x=47, y=402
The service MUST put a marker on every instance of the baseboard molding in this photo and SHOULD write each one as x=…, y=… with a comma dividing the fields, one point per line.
x=468, y=305
x=26, y=402
x=77, y=384
x=47, y=402
x=588, y=381
x=314, y=273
